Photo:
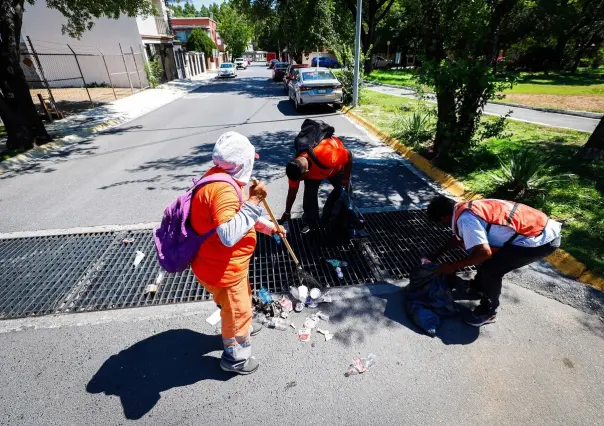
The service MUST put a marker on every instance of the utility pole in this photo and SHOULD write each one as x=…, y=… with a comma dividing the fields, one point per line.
x=357, y=55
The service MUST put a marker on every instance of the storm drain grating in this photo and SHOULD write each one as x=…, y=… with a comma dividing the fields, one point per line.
x=91, y=272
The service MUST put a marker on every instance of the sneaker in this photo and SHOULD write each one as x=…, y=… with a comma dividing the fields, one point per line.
x=248, y=366
x=481, y=316
x=256, y=328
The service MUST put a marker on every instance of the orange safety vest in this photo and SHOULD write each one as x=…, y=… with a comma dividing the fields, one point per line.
x=524, y=220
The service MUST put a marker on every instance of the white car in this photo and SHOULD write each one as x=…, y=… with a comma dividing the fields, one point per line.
x=227, y=70
x=315, y=86
x=240, y=63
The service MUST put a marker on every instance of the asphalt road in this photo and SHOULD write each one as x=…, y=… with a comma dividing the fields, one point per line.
x=541, y=363
x=527, y=115
x=130, y=174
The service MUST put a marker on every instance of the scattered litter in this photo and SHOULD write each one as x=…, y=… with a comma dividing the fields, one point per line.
x=265, y=295
x=284, y=314
x=309, y=323
x=326, y=333
x=294, y=292
x=311, y=303
x=315, y=293
x=292, y=325
x=325, y=298
x=304, y=334
x=322, y=316
x=277, y=323
x=360, y=365
x=139, y=257
x=425, y=260
x=299, y=307
x=160, y=277
x=214, y=318
x=128, y=241
x=151, y=288
x=302, y=293
x=338, y=265
x=286, y=304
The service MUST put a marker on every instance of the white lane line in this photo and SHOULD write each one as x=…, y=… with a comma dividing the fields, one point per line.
x=81, y=230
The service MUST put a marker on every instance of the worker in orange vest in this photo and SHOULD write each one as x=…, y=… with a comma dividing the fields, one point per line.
x=500, y=236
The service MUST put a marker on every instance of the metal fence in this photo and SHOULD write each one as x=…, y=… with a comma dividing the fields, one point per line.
x=72, y=78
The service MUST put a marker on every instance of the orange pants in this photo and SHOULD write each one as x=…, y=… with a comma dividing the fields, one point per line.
x=235, y=304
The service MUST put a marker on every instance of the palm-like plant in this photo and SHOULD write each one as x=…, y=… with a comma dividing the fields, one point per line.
x=526, y=171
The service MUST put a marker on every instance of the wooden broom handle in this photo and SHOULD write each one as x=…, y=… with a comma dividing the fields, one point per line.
x=274, y=219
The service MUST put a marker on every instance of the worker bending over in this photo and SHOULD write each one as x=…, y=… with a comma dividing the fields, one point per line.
x=501, y=236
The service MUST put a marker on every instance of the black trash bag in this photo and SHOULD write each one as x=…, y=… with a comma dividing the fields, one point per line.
x=341, y=217
x=311, y=134
x=428, y=298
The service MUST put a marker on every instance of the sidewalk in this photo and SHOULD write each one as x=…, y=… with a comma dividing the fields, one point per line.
x=527, y=115
x=76, y=128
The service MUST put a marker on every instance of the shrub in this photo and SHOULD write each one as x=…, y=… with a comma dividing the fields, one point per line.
x=415, y=129
x=525, y=172
x=154, y=72
x=199, y=41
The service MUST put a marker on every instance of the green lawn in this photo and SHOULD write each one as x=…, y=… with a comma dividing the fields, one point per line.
x=396, y=77
x=559, y=84
x=578, y=204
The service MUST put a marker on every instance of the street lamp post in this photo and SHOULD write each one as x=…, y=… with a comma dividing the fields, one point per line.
x=357, y=55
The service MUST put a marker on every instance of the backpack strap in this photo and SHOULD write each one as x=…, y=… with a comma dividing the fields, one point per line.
x=315, y=160
x=218, y=177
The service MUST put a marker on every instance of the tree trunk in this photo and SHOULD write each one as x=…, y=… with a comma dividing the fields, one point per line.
x=25, y=126
x=593, y=150
x=445, y=126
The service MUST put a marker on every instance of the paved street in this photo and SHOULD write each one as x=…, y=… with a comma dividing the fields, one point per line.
x=541, y=363
x=527, y=115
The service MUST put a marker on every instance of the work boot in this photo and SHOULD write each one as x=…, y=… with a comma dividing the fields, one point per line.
x=256, y=328
x=248, y=366
x=483, y=314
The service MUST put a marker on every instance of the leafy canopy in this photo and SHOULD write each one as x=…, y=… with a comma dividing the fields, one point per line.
x=234, y=30
x=199, y=41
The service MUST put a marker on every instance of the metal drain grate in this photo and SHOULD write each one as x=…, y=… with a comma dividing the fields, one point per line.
x=91, y=272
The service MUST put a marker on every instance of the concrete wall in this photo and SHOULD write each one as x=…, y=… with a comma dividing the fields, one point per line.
x=43, y=26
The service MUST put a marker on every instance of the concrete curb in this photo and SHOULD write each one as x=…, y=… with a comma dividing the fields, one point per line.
x=560, y=259
x=585, y=114
x=81, y=134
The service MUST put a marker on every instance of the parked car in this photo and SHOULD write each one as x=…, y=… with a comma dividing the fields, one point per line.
x=227, y=70
x=326, y=62
x=315, y=86
x=279, y=70
x=380, y=62
x=289, y=74
x=240, y=63
x=269, y=57
x=272, y=63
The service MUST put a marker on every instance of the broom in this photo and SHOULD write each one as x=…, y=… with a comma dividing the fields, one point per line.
x=304, y=278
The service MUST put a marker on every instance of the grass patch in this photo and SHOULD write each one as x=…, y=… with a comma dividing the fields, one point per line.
x=579, y=204
x=581, y=92
x=404, y=77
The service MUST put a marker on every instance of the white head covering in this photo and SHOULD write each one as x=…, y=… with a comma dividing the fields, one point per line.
x=235, y=154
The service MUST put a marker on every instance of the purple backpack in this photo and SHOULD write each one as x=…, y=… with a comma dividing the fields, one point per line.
x=176, y=241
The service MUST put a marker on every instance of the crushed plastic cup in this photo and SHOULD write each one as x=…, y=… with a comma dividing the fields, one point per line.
x=138, y=258
x=360, y=365
x=160, y=277
x=315, y=293
x=265, y=295
x=151, y=289
x=339, y=272
x=277, y=323
x=299, y=307
x=286, y=304
x=294, y=292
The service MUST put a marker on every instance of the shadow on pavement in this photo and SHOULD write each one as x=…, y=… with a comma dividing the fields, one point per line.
x=161, y=362
x=366, y=316
x=287, y=108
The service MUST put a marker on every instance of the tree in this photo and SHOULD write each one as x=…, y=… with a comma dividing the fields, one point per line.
x=234, y=30
x=177, y=11
x=189, y=10
x=374, y=11
x=459, y=42
x=593, y=149
x=199, y=41
x=18, y=112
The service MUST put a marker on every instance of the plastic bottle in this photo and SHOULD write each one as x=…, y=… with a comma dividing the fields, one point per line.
x=339, y=272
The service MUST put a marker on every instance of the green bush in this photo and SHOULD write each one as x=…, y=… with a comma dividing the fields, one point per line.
x=199, y=41
x=345, y=56
x=416, y=129
x=154, y=72
x=523, y=173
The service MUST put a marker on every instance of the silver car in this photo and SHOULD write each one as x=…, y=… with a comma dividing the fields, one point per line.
x=315, y=86
x=226, y=70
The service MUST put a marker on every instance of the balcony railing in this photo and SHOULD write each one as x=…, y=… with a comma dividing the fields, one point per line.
x=162, y=26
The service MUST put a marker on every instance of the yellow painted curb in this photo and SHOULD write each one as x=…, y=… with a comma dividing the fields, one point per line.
x=560, y=259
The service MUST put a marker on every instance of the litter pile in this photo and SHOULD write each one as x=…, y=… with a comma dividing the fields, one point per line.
x=275, y=313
